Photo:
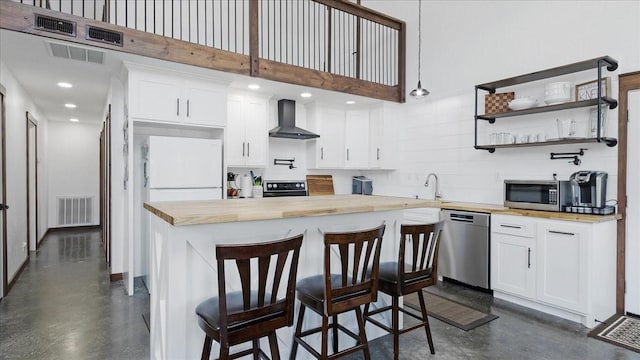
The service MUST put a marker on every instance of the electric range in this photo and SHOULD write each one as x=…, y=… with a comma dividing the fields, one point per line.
x=277, y=188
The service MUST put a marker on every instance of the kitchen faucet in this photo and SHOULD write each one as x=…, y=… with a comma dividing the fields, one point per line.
x=436, y=193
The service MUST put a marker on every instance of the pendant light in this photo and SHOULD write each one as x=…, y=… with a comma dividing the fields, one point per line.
x=419, y=92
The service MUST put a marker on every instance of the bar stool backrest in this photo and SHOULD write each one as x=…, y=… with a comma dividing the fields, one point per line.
x=418, y=258
x=356, y=280
x=268, y=300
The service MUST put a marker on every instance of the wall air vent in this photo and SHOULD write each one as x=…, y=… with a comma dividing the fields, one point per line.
x=65, y=51
x=103, y=35
x=58, y=26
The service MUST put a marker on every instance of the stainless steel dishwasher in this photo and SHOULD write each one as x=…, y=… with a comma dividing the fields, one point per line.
x=464, y=247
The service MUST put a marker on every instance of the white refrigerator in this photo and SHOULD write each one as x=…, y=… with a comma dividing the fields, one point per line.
x=178, y=168
x=175, y=169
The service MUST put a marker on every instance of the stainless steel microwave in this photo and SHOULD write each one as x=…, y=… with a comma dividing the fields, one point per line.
x=546, y=195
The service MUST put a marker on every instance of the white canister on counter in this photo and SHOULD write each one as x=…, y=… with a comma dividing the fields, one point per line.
x=257, y=191
x=246, y=187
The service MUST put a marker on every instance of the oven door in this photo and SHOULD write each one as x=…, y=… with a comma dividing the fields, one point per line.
x=533, y=195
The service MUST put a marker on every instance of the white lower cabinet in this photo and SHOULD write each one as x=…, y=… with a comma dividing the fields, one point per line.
x=564, y=268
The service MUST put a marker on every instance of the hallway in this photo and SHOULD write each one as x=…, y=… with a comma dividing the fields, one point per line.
x=63, y=306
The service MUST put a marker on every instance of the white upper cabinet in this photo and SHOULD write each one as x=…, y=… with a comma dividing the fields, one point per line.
x=356, y=129
x=205, y=104
x=247, y=134
x=382, y=138
x=328, y=151
x=349, y=139
x=177, y=99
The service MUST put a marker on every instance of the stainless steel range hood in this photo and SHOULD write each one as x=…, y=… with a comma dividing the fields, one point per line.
x=287, y=123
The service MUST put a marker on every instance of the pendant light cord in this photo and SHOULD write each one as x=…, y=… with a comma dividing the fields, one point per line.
x=419, y=36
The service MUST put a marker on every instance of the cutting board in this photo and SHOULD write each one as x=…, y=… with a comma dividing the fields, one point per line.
x=320, y=185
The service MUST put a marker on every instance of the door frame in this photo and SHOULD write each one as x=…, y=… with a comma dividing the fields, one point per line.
x=3, y=233
x=32, y=122
x=105, y=186
x=627, y=82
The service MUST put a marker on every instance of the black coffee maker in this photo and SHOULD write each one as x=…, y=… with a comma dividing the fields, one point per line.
x=589, y=193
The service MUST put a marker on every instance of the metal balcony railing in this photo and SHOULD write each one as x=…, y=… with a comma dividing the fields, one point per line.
x=333, y=37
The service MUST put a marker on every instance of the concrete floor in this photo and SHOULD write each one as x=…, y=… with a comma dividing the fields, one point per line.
x=63, y=306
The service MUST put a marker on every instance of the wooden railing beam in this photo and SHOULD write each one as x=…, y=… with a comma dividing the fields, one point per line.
x=357, y=10
x=254, y=38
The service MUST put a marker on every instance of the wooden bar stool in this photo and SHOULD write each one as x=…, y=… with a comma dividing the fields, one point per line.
x=352, y=283
x=416, y=269
x=257, y=310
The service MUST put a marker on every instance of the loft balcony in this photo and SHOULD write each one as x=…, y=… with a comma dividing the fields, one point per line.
x=328, y=44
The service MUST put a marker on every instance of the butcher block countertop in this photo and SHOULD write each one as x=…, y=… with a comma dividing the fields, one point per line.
x=234, y=210
x=553, y=215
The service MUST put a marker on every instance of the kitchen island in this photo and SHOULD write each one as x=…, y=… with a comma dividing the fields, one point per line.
x=183, y=239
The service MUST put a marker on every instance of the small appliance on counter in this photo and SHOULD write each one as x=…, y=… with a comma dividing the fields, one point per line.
x=232, y=187
x=544, y=195
x=589, y=193
x=361, y=185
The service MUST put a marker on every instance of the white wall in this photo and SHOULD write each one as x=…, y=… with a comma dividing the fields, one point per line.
x=74, y=171
x=466, y=43
x=18, y=102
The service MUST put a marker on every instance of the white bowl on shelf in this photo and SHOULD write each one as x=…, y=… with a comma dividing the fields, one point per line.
x=522, y=103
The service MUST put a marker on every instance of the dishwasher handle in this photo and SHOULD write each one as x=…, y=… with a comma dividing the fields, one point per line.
x=461, y=218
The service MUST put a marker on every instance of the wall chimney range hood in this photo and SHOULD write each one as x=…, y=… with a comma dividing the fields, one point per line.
x=287, y=123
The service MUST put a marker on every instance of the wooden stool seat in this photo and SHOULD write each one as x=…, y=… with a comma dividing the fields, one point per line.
x=354, y=283
x=256, y=311
x=416, y=269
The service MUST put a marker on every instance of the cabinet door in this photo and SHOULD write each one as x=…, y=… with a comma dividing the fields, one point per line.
x=512, y=264
x=332, y=139
x=204, y=104
x=255, y=132
x=562, y=265
x=377, y=152
x=235, y=147
x=357, y=139
x=156, y=98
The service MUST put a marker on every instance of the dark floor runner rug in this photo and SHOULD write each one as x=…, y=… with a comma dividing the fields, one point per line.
x=146, y=317
x=619, y=330
x=450, y=311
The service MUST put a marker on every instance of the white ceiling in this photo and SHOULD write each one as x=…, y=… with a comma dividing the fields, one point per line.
x=28, y=58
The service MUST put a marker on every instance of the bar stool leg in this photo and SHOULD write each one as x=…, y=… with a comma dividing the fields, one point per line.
x=395, y=324
x=224, y=352
x=206, y=349
x=273, y=344
x=294, y=344
x=256, y=349
x=423, y=308
x=363, y=334
x=335, y=333
x=325, y=337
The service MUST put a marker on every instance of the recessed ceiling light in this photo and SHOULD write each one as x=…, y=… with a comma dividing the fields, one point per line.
x=305, y=95
x=350, y=102
x=70, y=105
x=254, y=86
x=65, y=85
x=74, y=120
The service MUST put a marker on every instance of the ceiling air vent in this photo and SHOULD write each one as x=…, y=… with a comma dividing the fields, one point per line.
x=103, y=35
x=58, y=26
x=75, y=53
